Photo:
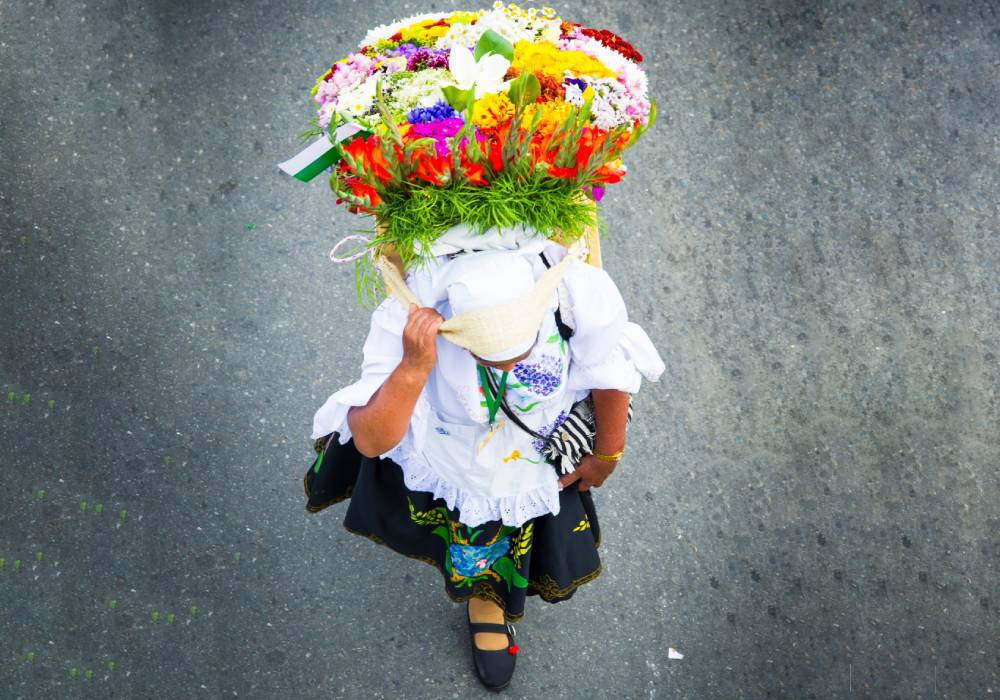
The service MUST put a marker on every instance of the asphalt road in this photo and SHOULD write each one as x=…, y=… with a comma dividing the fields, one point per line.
x=808, y=507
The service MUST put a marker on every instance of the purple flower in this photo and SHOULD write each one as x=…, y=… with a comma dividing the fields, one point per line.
x=402, y=50
x=437, y=112
x=576, y=81
x=427, y=58
x=547, y=430
x=541, y=377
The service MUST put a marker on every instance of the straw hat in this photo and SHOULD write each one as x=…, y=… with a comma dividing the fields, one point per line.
x=498, y=305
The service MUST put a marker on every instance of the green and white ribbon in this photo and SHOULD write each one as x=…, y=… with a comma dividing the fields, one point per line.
x=320, y=154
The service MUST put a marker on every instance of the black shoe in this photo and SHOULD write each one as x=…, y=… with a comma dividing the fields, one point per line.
x=494, y=668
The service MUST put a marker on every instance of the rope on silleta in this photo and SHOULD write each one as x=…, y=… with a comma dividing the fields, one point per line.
x=351, y=258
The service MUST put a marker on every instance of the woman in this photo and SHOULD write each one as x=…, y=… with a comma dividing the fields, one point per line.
x=445, y=451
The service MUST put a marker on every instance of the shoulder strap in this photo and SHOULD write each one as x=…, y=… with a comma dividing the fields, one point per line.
x=491, y=380
x=564, y=331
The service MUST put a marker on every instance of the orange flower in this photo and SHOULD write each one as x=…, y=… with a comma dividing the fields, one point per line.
x=368, y=154
x=563, y=172
x=610, y=173
x=430, y=168
x=492, y=110
x=474, y=174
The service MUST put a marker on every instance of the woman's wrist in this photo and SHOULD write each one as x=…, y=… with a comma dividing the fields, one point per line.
x=613, y=457
x=413, y=375
x=608, y=446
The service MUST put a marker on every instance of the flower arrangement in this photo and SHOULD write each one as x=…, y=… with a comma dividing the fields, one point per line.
x=490, y=118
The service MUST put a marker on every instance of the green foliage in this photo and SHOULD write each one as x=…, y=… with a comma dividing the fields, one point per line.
x=491, y=42
x=524, y=89
x=459, y=99
x=413, y=220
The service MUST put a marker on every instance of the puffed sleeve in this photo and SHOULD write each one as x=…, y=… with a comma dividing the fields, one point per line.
x=383, y=351
x=607, y=351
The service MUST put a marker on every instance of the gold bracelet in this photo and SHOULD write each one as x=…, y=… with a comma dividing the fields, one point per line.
x=609, y=458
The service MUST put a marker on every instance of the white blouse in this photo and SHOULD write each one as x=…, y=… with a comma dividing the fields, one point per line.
x=449, y=449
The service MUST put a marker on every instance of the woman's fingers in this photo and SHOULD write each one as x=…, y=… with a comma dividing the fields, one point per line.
x=436, y=322
x=430, y=321
x=419, y=341
x=420, y=320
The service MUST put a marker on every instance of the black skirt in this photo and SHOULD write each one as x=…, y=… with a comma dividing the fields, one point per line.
x=549, y=555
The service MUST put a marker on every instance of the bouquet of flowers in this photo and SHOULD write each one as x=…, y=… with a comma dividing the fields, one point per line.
x=490, y=118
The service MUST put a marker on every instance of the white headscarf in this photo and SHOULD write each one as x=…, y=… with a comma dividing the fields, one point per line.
x=484, y=279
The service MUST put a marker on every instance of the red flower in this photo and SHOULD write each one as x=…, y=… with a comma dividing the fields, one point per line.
x=563, y=172
x=360, y=189
x=609, y=174
x=430, y=168
x=494, y=149
x=614, y=42
x=512, y=649
x=474, y=174
x=368, y=154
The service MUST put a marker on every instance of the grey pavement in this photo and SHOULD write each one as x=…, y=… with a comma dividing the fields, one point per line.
x=809, y=504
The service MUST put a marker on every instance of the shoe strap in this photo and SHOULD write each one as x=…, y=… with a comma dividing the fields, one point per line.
x=489, y=627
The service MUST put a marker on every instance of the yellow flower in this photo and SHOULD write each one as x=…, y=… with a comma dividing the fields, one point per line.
x=512, y=456
x=421, y=30
x=552, y=114
x=492, y=110
x=545, y=57
x=462, y=17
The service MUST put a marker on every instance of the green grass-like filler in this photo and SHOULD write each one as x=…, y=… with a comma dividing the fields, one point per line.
x=415, y=218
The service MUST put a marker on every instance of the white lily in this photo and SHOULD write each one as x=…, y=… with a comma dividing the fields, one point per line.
x=486, y=74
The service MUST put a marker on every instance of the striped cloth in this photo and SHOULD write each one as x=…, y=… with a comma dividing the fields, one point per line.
x=574, y=438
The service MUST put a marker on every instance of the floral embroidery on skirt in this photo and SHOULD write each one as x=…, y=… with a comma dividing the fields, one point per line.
x=549, y=556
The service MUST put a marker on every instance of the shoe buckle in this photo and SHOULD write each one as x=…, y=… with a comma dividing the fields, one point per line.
x=510, y=628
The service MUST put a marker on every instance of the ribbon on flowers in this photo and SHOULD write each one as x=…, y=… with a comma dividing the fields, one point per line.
x=320, y=154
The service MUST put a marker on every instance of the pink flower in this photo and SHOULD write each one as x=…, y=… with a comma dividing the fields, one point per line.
x=439, y=130
x=352, y=72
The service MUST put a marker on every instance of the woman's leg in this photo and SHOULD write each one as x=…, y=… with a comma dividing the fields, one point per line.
x=481, y=610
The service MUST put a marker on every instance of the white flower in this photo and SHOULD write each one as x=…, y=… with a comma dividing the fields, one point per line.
x=421, y=88
x=486, y=74
x=325, y=114
x=359, y=99
x=383, y=32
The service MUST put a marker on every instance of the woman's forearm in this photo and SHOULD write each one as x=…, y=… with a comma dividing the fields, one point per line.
x=610, y=415
x=379, y=425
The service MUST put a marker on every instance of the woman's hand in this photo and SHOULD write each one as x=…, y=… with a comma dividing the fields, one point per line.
x=420, y=339
x=380, y=424
x=610, y=416
x=591, y=471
